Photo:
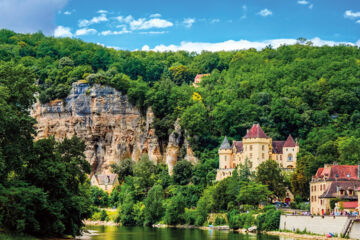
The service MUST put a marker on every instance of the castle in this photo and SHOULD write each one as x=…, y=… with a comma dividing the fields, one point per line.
x=257, y=147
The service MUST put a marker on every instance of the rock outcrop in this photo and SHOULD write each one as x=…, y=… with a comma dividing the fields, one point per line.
x=113, y=129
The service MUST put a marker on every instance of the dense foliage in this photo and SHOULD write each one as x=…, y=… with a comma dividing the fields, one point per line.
x=43, y=185
x=309, y=92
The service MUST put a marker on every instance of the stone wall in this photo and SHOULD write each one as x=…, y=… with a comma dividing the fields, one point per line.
x=355, y=231
x=314, y=224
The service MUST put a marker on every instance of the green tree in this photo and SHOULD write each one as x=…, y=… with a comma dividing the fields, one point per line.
x=123, y=169
x=154, y=209
x=253, y=193
x=269, y=173
x=175, y=210
x=182, y=172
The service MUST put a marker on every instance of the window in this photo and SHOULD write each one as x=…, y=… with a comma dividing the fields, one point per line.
x=263, y=147
x=263, y=156
x=225, y=158
x=280, y=157
x=342, y=192
x=290, y=157
x=351, y=192
x=225, y=166
x=250, y=147
x=250, y=155
x=320, y=187
x=315, y=188
x=321, y=202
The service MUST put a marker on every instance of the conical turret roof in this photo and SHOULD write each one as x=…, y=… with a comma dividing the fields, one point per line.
x=289, y=142
x=256, y=132
x=225, y=144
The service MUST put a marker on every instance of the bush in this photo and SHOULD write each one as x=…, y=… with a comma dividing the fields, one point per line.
x=219, y=221
x=104, y=216
x=268, y=221
x=190, y=216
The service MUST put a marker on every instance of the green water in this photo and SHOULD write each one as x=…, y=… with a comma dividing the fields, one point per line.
x=140, y=233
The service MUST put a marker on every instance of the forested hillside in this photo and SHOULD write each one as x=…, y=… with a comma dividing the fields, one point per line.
x=310, y=92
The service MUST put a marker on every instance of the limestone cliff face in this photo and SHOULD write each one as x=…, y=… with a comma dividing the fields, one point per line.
x=112, y=128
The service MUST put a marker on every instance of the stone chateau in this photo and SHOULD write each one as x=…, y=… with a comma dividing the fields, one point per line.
x=257, y=147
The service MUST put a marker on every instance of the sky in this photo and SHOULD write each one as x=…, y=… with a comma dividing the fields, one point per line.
x=192, y=25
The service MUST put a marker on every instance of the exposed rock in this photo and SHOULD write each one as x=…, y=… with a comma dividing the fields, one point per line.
x=112, y=128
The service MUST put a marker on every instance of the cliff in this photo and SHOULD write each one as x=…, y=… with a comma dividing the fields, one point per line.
x=113, y=129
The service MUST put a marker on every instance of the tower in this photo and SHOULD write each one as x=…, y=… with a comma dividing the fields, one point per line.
x=225, y=155
x=256, y=146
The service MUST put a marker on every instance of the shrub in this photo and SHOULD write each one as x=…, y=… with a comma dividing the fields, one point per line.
x=103, y=216
x=268, y=221
x=219, y=221
x=190, y=216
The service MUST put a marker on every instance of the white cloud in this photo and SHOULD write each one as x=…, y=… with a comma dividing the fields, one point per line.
x=114, y=47
x=61, y=31
x=188, y=22
x=126, y=19
x=145, y=48
x=85, y=31
x=67, y=13
x=265, y=12
x=358, y=43
x=216, y=20
x=238, y=45
x=351, y=14
x=102, y=11
x=302, y=2
x=98, y=19
x=358, y=21
x=153, y=32
x=155, y=15
x=142, y=23
x=244, y=8
x=28, y=16
x=311, y=6
x=109, y=32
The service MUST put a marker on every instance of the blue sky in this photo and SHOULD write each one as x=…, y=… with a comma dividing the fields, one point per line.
x=192, y=25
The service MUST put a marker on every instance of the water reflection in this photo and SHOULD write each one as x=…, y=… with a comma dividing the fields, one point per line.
x=142, y=233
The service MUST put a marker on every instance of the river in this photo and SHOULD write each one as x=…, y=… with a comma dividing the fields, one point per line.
x=144, y=233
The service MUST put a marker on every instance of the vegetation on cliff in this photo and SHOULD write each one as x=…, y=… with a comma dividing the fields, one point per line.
x=309, y=92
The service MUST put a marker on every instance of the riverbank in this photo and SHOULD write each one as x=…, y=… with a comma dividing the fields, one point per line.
x=303, y=235
x=100, y=223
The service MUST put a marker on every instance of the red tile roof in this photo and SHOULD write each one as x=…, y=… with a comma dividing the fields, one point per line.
x=199, y=76
x=277, y=147
x=338, y=172
x=353, y=204
x=256, y=132
x=238, y=145
x=289, y=142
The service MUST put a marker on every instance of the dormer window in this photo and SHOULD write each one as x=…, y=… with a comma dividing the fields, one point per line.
x=348, y=175
x=351, y=192
x=336, y=175
x=342, y=192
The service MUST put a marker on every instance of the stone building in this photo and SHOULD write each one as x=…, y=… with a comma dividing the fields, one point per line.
x=106, y=182
x=331, y=182
x=257, y=147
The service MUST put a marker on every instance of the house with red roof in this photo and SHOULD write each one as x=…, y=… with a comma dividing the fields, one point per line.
x=257, y=147
x=198, y=78
x=333, y=182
